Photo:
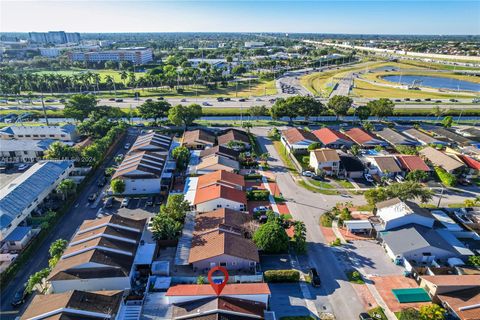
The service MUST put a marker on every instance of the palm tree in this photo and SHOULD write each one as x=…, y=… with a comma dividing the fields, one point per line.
x=66, y=187
x=124, y=76
x=110, y=82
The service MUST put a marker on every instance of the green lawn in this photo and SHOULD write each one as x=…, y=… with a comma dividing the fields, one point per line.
x=103, y=73
x=377, y=313
x=282, y=152
x=321, y=184
x=345, y=183
x=305, y=185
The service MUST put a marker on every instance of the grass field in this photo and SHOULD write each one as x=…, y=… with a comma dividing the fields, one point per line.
x=103, y=73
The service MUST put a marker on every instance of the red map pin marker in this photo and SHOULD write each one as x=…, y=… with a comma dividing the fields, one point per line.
x=218, y=287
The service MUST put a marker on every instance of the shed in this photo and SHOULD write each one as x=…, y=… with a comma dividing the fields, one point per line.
x=358, y=226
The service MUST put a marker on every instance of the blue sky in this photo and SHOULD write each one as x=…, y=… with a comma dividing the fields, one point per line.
x=382, y=17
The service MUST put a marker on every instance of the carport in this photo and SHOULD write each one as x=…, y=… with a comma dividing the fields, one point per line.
x=358, y=226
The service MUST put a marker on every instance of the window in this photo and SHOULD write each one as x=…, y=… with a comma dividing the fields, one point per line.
x=25, y=152
x=35, y=135
x=42, y=136
x=20, y=135
x=223, y=264
x=219, y=205
x=27, y=136
x=51, y=135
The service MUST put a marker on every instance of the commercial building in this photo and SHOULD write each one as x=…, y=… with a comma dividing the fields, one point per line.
x=65, y=133
x=25, y=151
x=254, y=44
x=50, y=52
x=23, y=195
x=54, y=37
x=136, y=55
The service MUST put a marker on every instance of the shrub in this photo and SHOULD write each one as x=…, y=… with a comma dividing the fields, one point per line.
x=258, y=195
x=326, y=219
x=335, y=243
x=446, y=178
x=254, y=176
x=282, y=276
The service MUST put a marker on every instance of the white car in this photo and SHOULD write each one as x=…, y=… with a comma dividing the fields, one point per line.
x=125, y=202
x=260, y=209
x=23, y=167
x=399, y=178
x=127, y=146
x=308, y=174
x=368, y=177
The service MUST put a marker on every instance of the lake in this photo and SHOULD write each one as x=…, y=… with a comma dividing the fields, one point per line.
x=435, y=82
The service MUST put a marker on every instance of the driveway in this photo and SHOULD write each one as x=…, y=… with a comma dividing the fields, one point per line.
x=287, y=300
x=371, y=259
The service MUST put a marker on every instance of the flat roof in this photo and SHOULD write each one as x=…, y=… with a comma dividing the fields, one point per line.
x=358, y=224
x=18, y=234
x=446, y=221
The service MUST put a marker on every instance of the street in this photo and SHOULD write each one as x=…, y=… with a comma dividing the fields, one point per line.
x=66, y=227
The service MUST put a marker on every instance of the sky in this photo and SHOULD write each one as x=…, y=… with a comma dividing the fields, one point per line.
x=316, y=16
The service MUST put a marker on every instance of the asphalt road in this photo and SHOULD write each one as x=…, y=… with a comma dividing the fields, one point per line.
x=66, y=227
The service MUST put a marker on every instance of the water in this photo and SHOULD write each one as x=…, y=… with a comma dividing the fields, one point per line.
x=435, y=82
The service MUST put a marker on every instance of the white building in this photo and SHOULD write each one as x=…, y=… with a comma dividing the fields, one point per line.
x=23, y=195
x=66, y=133
x=395, y=213
x=254, y=44
x=325, y=160
x=50, y=52
x=297, y=140
x=219, y=196
x=137, y=55
x=25, y=151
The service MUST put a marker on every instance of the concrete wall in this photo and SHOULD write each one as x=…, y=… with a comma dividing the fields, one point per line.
x=229, y=262
x=219, y=203
x=116, y=283
x=142, y=186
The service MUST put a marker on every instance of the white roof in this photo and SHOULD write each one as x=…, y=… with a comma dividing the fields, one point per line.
x=145, y=253
x=190, y=189
x=357, y=224
x=446, y=221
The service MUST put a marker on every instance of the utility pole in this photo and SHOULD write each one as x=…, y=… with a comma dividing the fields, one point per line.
x=441, y=196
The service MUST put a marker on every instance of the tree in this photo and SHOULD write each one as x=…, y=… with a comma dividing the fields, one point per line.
x=264, y=157
x=118, y=186
x=299, y=237
x=36, y=278
x=181, y=154
x=57, y=247
x=417, y=176
x=355, y=149
x=340, y=105
x=66, y=187
x=296, y=106
x=432, y=312
x=314, y=146
x=165, y=227
x=257, y=111
x=154, y=109
x=176, y=207
x=184, y=115
x=201, y=280
x=474, y=261
x=79, y=106
x=363, y=112
x=409, y=314
x=381, y=108
x=271, y=237
x=408, y=190
x=247, y=125
x=447, y=122
x=58, y=150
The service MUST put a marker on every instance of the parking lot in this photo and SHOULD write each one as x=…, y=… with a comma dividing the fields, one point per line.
x=288, y=300
x=137, y=209
x=370, y=258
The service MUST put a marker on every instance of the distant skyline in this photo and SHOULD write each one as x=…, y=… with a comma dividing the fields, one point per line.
x=351, y=17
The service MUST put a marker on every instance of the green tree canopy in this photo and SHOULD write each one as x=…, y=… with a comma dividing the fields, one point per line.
x=474, y=261
x=340, y=105
x=257, y=111
x=432, y=312
x=154, y=109
x=176, y=207
x=299, y=237
x=165, y=227
x=118, y=186
x=417, y=176
x=381, y=108
x=181, y=154
x=296, y=106
x=57, y=247
x=184, y=115
x=66, y=187
x=408, y=190
x=59, y=150
x=447, y=122
x=271, y=237
x=79, y=106
x=363, y=112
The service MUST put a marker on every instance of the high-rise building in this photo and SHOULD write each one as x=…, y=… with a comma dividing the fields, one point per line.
x=54, y=37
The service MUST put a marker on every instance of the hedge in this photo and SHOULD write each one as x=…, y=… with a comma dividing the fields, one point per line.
x=254, y=176
x=258, y=195
x=447, y=179
x=281, y=276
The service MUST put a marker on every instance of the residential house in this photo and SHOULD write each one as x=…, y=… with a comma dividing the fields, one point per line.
x=100, y=256
x=220, y=151
x=364, y=138
x=297, y=140
x=74, y=304
x=417, y=244
x=463, y=304
x=219, y=308
x=22, y=196
x=223, y=178
x=351, y=167
x=152, y=142
x=441, y=159
x=234, y=139
x=384, y=166
x=472, y=164
x=65, y=133
x=142, y=172
x=198, y=139
x=423, y=138
x=470, y=132
x=219, y=240
x=193, y=292
x=24, y=151
x=455, y=138
x=441, y=284
x=396, y=213
x=412, y=163
x=395, y=138
x=333, y=139
x=18, y=239
x=218, y=196
x=325, y=160
x=215, y=163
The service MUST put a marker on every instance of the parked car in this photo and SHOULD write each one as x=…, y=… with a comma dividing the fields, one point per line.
x=183, y=100
x=111, y=99
x=227, y=99
x=399, y=178
x=148, y=100
x=118, y=100
x=19, y=297
x=206, y=104
x=23, y=167
x=92, y=196
x=127, y=146
x=314, y=277
x=150, y=201
x=364, y=316
x=125, y=202
x=318, y=178
x=309, y=174
x=368, y=177
x=464, y=181
x=108, y=202
x=160, y=98
x=220, y=99
x=260, y=209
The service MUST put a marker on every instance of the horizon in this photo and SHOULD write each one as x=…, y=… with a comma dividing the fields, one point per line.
x=309, y=17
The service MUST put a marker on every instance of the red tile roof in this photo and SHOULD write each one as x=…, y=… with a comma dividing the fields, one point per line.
x=217, y=191
x=358, y=135
x=207, y=290
x=412, y=162
x=220, y=176
x=470, y=162
x=328, y=136
x=294, y=135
